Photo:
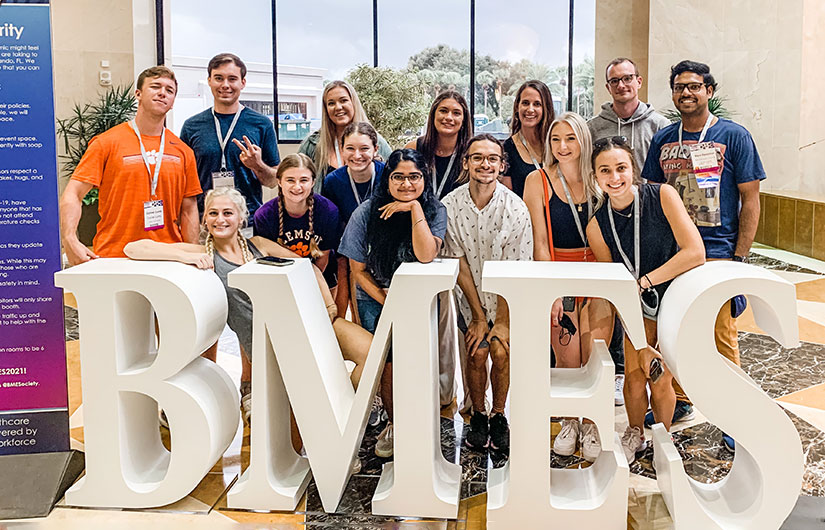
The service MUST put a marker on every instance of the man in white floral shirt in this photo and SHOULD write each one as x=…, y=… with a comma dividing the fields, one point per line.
x=485, y=222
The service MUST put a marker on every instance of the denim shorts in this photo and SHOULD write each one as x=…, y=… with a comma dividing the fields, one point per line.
x=369, y=311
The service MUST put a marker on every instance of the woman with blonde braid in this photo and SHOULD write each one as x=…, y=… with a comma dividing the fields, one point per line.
x=301, y=220
x=224, y=250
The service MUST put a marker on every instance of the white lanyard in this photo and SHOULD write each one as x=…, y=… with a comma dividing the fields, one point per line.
x=701, y=135
x=358, y=199
x=145, y=155
x=524, y=143
x=446, y=175
x=224, y=141
x=634, y=270
x=573, y=207
x=338, y=153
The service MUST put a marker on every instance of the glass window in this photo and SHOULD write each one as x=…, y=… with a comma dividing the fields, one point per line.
x=199, y=30
x=528, y=40
x=430, y=40
x=317, y=45
x=584, y=49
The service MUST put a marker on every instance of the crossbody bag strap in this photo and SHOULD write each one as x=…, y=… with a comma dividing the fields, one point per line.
x=545, y=181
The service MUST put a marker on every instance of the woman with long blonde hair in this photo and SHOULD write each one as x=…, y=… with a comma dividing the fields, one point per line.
x=562, y=198
x=341, y=107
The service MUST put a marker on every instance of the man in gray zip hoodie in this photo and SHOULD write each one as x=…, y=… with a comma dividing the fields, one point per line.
x=626, y=115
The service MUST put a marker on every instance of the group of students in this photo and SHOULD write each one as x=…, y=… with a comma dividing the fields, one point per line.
x=358, y=210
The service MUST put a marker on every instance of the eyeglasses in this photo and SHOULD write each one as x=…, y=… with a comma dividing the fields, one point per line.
x=412, y=177
x=479, y=158
x=603, y=143
x=626, y=79
x=678, y=88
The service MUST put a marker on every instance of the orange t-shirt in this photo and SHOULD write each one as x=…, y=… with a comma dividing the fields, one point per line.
x=114, y=164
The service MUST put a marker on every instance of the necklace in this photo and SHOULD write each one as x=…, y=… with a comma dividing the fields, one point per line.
x=625, y=215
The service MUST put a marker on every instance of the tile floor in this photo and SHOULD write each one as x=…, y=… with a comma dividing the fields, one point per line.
x=794, y=378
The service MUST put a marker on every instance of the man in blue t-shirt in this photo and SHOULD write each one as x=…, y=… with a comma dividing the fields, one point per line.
x=244, y=154
x=713, y=164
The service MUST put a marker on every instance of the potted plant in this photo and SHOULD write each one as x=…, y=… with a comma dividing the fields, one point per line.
x=115, y=106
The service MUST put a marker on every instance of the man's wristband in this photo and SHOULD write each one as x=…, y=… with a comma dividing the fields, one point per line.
x=741, y=259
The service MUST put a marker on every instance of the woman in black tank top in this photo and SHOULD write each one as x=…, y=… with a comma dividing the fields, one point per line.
x=669, y=244
x=449, y=128
x=532, y=115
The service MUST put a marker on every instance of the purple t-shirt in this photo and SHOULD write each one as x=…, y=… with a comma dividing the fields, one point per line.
x=326, y=230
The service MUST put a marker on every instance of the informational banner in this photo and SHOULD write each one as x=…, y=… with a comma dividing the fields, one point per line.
x=33, y=396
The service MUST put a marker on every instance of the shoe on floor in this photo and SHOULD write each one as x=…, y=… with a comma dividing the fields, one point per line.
x=377, y=413
x=730, y=444
x=618, y=395
x=383, y=446
x=246, y=408
x=499, y=433
x=590, y=442
x=682, y=412
x=633, y=443
x=479, y=436
x=566, y=441
x=355, y=467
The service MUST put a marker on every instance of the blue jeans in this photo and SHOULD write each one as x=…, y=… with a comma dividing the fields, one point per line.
x=369, y=311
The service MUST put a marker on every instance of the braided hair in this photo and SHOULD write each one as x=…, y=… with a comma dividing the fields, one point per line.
x=302, y=161
x=240, y=208
x=389, y=241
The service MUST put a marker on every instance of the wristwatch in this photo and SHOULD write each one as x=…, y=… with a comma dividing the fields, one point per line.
x=741, y=259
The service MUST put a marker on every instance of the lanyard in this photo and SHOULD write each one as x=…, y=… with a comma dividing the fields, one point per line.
x=524, y=143
x=569, y=197
x=145, y=155
x=634, y=270
x=338, y=152
x=358, y=199
x=224, y=141
x=446, y=175
x=701, y=136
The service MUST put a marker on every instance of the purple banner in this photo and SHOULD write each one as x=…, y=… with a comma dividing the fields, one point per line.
x=33, y=396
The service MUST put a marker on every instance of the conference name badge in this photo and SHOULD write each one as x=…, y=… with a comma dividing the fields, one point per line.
x=152, y=215
x=223, y=179
x=705, y=160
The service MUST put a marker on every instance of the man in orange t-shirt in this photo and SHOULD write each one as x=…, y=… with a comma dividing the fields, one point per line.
x=147, y=190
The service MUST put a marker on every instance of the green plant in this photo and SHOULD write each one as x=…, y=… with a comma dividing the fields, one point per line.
x=396, y=101
x=716, y=106
x=115, y=106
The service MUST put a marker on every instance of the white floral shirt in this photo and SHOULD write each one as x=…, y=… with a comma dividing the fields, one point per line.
x=500, y=231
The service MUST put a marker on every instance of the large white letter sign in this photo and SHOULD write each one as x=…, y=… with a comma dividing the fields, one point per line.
x=296, y=355
x=525, y=493
x=763, y=485
x=124, y=380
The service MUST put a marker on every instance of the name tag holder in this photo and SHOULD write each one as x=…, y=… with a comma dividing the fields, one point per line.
x=153, y=215
x=704, y=157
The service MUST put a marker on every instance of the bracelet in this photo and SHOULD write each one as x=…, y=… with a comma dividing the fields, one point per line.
x=419, y=221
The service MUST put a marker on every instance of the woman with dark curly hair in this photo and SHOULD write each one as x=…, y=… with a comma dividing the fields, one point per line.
x=402, y=222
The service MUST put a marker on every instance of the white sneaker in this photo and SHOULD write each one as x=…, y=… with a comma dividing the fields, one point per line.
x=633, y=442
x=383, y=446
x=566, y=441
x=591, y=443
x=355, y=467
x=618, y=396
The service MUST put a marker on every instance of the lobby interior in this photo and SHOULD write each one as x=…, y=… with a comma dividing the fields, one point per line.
x=767, y=56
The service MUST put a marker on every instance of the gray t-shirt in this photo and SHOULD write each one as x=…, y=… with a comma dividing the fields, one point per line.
x=354, y=241
x=239, y=317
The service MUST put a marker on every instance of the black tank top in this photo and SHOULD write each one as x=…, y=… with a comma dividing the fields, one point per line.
x=565, y=232
x=657, y=242
x=441, y=163
x=518, y=169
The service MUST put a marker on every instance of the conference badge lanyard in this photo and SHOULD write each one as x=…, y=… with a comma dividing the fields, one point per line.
x=704, y=159
x=224, y=178
x=634, y=267
x=524, y=143
x=355, y=193
x=573, y=208
x=445, y=177
x=152, y=209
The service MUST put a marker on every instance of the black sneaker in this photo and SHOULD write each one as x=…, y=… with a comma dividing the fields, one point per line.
x=479, y=433
x=682, y=412
x=499, y=433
